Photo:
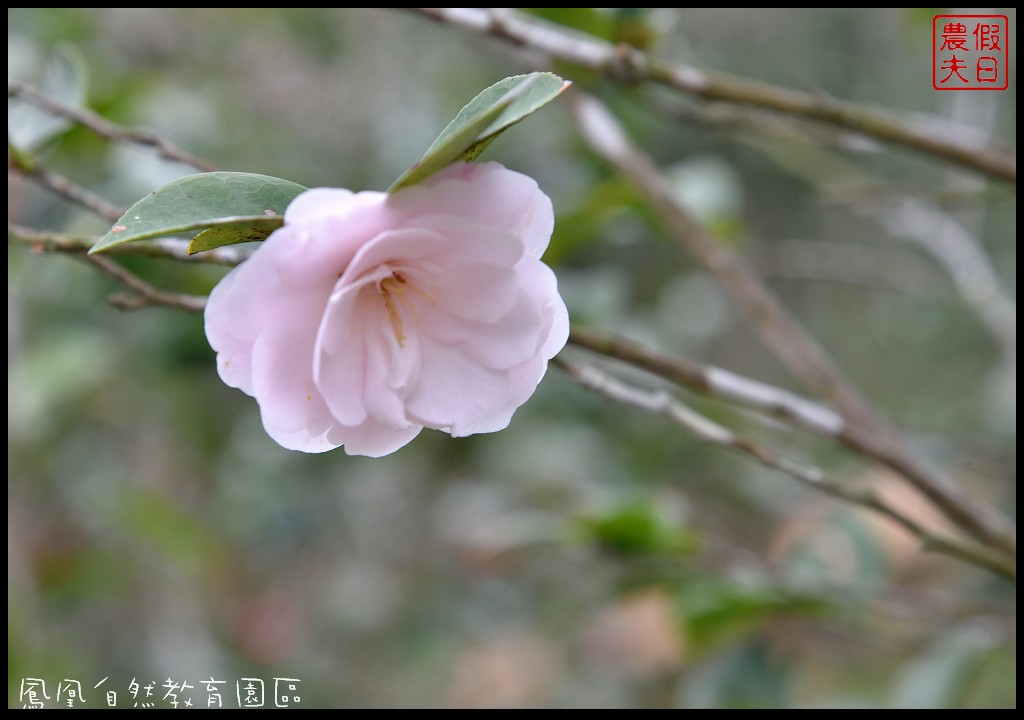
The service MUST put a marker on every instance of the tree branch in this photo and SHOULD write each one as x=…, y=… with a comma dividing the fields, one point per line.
x=143, y=294
x=101, y=126
x=711, y=380
x=64, y=187
x=40, y=241
x=659, y=402
x=864, y=430
x=627, y=64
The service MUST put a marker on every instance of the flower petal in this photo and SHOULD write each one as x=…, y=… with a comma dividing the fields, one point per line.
x=301, y=440
x=521, y=382
x=395, y=247
x=381, y=400
x=282, y=367
x=367, y=317
x=339, y=356
x=316, y=203
x=488, y=193
x=372, y=439
x=474, y=291
x=472, y=241
x=501, y=344
x=539, y=281
x=454, y=392
x=324, y=231
x=232, y=319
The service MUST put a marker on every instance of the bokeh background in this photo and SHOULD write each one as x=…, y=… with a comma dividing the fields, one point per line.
x=588, y=555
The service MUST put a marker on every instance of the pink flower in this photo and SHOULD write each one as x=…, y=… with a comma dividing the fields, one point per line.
x=368, y=317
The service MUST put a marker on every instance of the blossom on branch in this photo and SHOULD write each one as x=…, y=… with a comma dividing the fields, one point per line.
x=369, y=316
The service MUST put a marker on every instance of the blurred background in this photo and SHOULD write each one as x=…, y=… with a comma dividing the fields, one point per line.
x=589, y=555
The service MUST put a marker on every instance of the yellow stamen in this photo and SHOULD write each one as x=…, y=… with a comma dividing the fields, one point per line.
x=398, y=285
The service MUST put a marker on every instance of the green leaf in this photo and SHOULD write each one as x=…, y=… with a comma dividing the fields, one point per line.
x=489, y=114
x=718, y=611
x=638, y=529
x=239, y=204
x=248, y=230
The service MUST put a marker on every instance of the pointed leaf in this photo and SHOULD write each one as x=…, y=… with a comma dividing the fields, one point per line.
x=208, y=200
x=490, y=113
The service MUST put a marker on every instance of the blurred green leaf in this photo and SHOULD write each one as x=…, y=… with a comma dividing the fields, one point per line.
x=994, y=680
x=632, y=25
x=71, y=574
x=489, y=114
x=243, y=202
x=637, y=529
x=718, y=610
x=589, y=20
x=176, y=534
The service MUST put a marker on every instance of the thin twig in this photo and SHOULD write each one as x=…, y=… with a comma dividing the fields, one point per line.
x=864, y=430
x=101, y=126
x=42, y=241
x=715, y=381
x=659, y=402
x=627, y=64
x=70, y=191
x=144, y=294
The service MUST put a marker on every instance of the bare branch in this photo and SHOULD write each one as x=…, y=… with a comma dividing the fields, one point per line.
x=715, y=381
x=629, y=65
x=659, y=402
x=68, y=190
x=40, y=241
x=864, y=431
x=101, y=126
x=144, y=294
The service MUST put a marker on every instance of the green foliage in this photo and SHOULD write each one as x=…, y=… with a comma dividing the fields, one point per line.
x=233, y=233
x=242, y=206
x=718, y=611
x=231, y=207
x=637, y=529
x=479, y=123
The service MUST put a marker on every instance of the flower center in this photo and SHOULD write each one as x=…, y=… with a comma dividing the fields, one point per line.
x=395, y=288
